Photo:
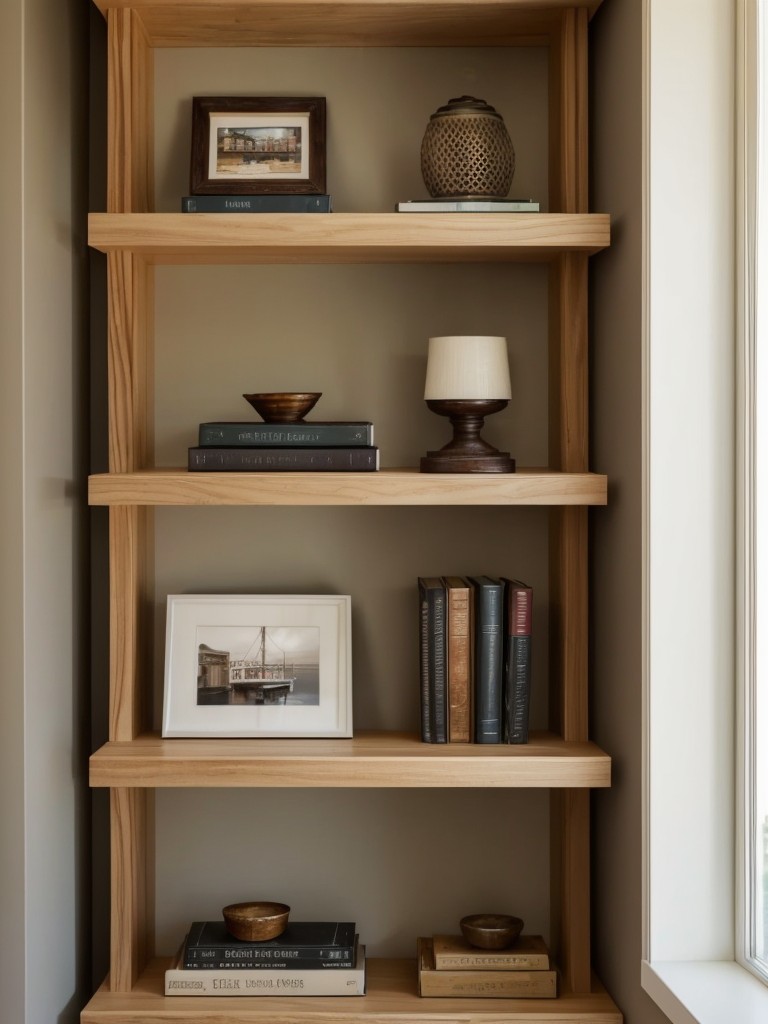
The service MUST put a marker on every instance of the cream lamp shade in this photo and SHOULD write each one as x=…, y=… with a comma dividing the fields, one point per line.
x=467, y=367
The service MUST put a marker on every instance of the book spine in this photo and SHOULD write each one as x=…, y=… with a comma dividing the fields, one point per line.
x=424, y=666
x=478, y=962
x=484, y=984
x=256, y=204
x=467, y=206
x=488, y=662
x=179, y=982
x=216, y=961
x=517, y=671
x=287, y=460
x=459, y=660
x=438, y=674
x=234, y=435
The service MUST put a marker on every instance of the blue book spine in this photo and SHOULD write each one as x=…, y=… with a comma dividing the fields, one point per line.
x=489, y=651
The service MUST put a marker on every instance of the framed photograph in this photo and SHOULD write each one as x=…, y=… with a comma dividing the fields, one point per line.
x=258, y=665
x=262, y=145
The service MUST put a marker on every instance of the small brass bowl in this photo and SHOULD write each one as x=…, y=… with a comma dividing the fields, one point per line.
x=491, y=931
x=283, y=406
x=256, y=922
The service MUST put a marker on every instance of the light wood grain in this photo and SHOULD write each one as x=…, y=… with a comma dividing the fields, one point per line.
x=368, y=760
x=131, y=885
x=346, y=22
x=391, y=999
x=569, y=448
x=129, y=113
x=385, y=487
x=242, y=238
x=570, y=888
x=568, y=121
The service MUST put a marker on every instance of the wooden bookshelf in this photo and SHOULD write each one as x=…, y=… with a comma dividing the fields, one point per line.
x=385, y=487
x=369, y=760
x=346, y=22
x=135, y=762
x=242, y=238
x=391, y=998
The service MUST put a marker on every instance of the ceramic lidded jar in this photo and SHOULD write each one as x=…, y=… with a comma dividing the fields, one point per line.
x=466, y=151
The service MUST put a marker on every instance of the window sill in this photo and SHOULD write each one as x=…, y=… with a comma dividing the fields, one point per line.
x=706, y=992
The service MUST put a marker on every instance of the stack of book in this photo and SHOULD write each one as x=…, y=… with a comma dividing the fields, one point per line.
x=294, y=448
x=310, y=958
x=475, y=651
x=449, y=966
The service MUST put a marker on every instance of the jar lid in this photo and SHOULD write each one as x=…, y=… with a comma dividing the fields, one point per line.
x=467, y=105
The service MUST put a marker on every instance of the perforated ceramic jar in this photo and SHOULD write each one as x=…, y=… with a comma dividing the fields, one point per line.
x=467, y=152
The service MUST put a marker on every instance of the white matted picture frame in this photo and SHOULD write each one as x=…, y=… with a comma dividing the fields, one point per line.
x=258, y=665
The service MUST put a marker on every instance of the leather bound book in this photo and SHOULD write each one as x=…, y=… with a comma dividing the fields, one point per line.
x=434, y=717
x=459, y=658
x=488, y=604
x=518, y=609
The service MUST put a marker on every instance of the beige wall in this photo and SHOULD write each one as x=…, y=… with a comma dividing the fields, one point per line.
x=616, y=449
x=397, y=863
x=43, y=795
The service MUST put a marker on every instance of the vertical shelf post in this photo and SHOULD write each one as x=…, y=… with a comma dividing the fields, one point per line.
x=129, y=189
x=568, y=451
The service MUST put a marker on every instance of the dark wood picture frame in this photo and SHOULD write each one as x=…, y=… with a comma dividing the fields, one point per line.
x=310, y=180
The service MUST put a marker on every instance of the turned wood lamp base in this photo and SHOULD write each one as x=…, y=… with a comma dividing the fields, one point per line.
x=467, y=452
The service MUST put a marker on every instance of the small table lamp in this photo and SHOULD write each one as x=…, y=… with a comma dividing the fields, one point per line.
x=467, y=380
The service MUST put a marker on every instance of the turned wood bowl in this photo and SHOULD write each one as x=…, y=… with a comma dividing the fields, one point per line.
x=491, y=931
x=283, y=406
x=256, y=922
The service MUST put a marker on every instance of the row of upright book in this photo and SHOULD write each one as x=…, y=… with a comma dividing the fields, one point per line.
x=337, y=446
x=311, y=958
x=475, y=637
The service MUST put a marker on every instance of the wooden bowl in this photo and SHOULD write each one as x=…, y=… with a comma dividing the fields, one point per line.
x=491, y=931
x=256, y=922
x=283, y=406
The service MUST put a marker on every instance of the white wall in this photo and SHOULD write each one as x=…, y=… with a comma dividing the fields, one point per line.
x=43, y=880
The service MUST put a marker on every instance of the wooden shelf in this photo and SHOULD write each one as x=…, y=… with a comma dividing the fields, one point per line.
x=220, y=238
x=385, y=487
x=391, y=999
x=346, y=22
x=369, y=760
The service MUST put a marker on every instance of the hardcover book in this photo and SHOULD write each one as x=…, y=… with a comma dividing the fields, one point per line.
x=209, y=942
x=285, y=460
x=488, y=601
x=518, y=612
x=453, y=952
x=256, y=204
x=248, y=982
x=276, y=435
x=434, y=718
x=459, y=658
x=481, y=984
x=468, y=206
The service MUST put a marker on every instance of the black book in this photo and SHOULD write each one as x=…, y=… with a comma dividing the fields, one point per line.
x=488, y=599
x=320, y=943
x=286, y=460
x=432, y=642
x=256, y=204
x=518, y=616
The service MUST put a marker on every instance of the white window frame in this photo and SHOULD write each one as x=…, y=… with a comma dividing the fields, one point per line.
x=693, y=597
x=752, y=204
